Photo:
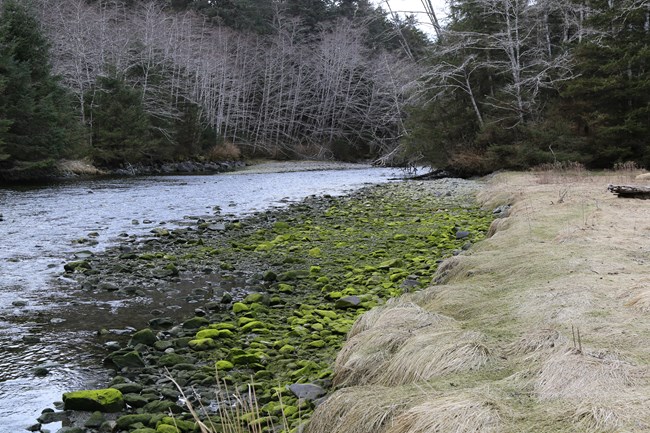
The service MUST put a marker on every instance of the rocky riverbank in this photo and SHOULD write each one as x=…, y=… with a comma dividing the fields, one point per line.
x=274, y=296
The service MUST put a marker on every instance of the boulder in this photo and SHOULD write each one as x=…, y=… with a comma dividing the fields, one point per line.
x=144, y=336
x=128, y=359
x=102, y=400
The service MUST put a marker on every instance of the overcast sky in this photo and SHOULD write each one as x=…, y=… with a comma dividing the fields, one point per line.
x=415, y=7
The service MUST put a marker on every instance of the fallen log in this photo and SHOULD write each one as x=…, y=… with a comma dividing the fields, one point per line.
x=630, y=191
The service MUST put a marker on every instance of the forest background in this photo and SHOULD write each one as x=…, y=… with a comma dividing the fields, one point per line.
x=500, y=84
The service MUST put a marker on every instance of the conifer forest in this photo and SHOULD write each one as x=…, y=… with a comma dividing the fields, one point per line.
x=498, y=84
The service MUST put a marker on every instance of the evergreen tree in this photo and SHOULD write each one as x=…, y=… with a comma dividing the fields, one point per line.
x=608, y=105
x=121, y=130
x=36, y=116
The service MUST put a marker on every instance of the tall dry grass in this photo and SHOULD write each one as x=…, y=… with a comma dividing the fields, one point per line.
x=543, y=327
x=226, y=151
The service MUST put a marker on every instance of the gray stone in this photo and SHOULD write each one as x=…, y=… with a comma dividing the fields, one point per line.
x=144, y=336
x=50, y=417
x=348, y=302
x=128, y=388
x=307, y=391
x=95, y=420
x=462, y=234
x=217, y=227
x=70, y=430
x=161, y=322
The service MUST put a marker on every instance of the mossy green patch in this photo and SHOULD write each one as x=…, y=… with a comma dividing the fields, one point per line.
x=223, y=365
x=103, y=400
x=240, y=307
x=202, y=344
x=214, y=333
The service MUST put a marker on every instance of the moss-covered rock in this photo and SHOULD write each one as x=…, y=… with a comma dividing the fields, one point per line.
x=103, y=400
x=126, y=421
x=200, y=344
x=253, y=325
x=195, y=323
x=79, y=265
x=171, y=359
x=183, y=426
x=255, y=298
x=247, y=358
x=162, y=406
x=144, y=336
x=129, y=359
x=143, y=430
x=128, y=387
x=214, y=333
x=223, y=365
x=135, y=400
x=240, y=307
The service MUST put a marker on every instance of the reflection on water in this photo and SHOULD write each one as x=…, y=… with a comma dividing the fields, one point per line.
x=48, y=341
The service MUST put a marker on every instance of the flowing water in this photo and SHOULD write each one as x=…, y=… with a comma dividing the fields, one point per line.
x=48, y=342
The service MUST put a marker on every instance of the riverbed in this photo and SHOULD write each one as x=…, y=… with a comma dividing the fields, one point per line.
x=47, y=336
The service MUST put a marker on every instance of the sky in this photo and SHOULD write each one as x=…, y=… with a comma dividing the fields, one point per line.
x=415, y=7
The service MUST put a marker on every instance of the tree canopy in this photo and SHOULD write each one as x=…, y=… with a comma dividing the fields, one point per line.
x=506, y=83
x=36, y=124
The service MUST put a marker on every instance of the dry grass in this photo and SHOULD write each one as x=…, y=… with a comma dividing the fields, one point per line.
x=78, y=167
x=456, y=413
x=364, y=409
x=377, y=336
x=435, y=354
x=364, y=356
x=538, y=340
x=399, y=314
x=641, y=300
x=570, y=374
x=569, y=258
x=627, y=413
x=227, y=151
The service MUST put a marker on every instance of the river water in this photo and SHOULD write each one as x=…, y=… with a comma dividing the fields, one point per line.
x=48, y=342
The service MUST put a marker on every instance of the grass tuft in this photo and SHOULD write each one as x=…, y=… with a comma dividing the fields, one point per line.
x=460, y=413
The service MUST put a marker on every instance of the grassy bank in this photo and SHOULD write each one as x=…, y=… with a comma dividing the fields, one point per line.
x=543, y=327
x=278, y=293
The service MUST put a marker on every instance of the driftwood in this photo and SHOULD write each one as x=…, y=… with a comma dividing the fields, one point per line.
x=630, y=191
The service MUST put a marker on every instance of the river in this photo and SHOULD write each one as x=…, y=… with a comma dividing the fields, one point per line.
x=47, y=343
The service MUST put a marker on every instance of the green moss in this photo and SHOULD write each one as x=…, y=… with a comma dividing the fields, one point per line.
x=200, y=344
x=254, y=297
x=287, y=348
x=171, y=359
x=103, y=400
x=223, y=325
x=184, y=426
x=195, y=322
x=224, y=365
x=214, y=334
x=79, y=265
x=144, y=336
x=240, y=307
x=255, y=324
x=247, y=359
x=327, y=313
